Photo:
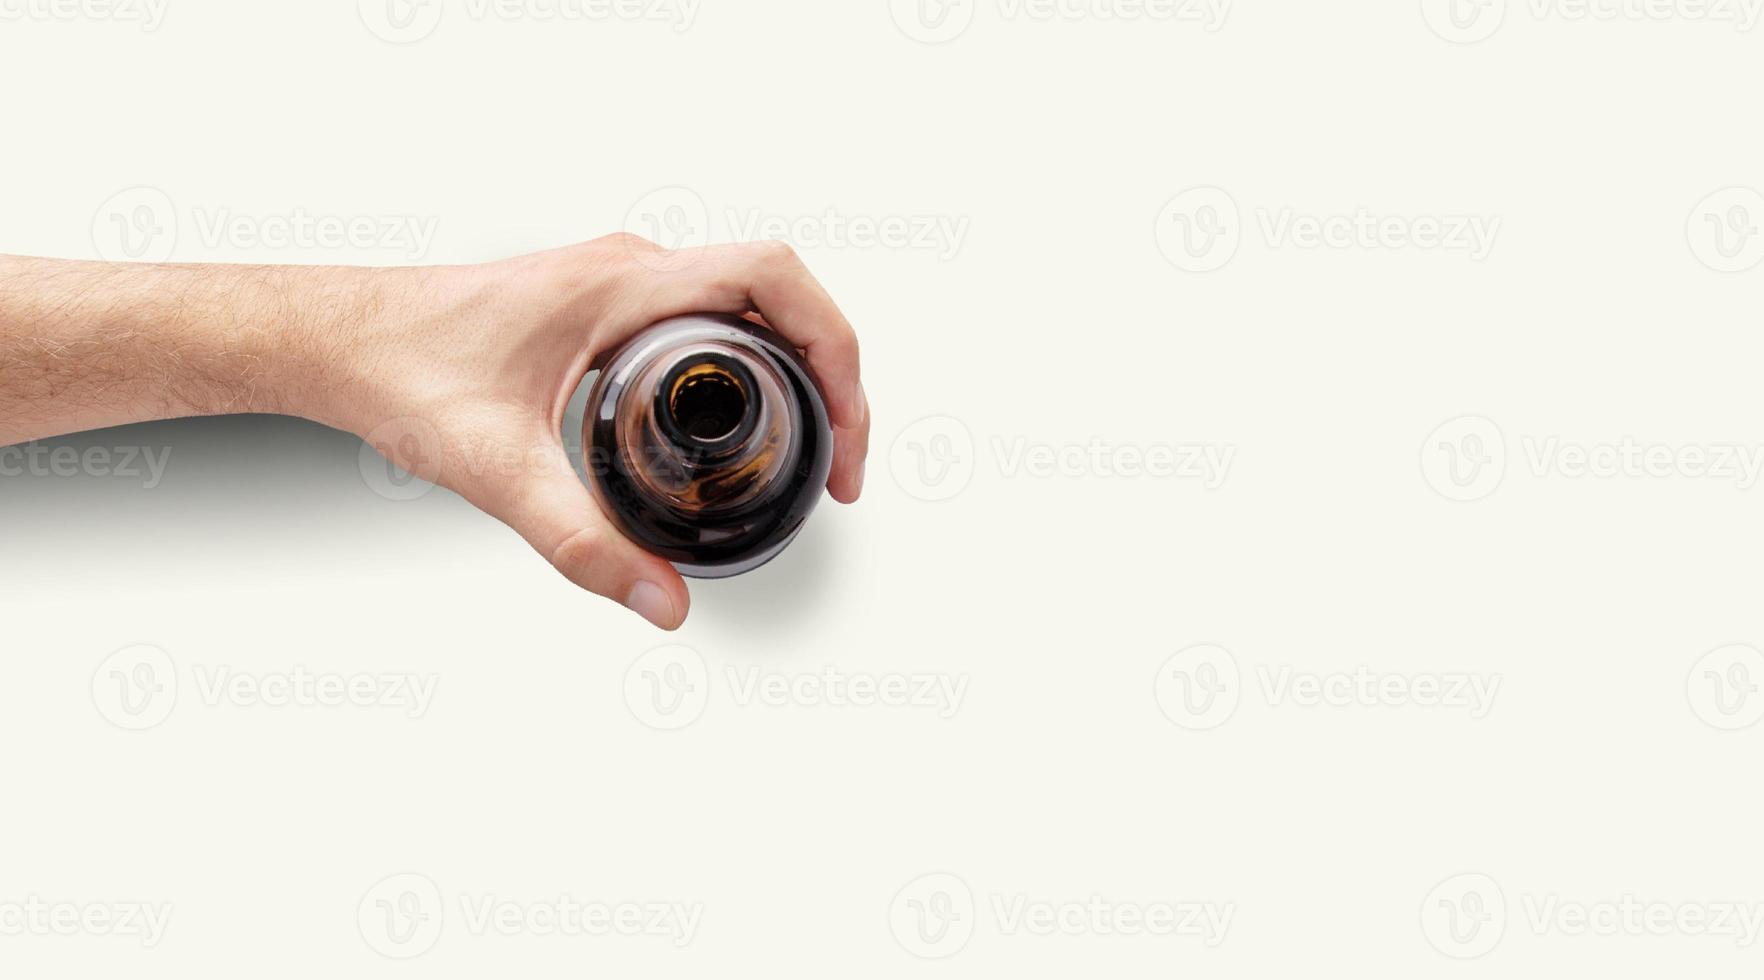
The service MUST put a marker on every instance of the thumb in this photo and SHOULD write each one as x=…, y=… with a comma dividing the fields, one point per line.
x=556, y=514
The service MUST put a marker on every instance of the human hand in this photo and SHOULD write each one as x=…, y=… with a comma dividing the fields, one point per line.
x=462, y=374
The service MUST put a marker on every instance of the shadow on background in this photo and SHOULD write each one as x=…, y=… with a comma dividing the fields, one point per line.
x=255, y=496
x=266, y=466
x=243, y=501
x=779, y=597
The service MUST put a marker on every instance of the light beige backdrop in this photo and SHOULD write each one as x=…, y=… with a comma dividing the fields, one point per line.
x=1312, y=520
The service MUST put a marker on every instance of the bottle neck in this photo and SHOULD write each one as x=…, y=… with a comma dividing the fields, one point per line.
x=707, y=407
x=710, y=428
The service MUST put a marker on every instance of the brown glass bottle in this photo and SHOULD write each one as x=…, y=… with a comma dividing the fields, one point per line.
x=707, y=443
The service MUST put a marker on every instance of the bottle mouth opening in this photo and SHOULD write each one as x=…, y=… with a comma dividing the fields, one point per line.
x=708, y=402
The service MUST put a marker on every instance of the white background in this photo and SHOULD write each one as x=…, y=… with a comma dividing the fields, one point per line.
x=1093, y=756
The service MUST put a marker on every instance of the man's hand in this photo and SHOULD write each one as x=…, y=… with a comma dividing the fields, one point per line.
x=460, y=374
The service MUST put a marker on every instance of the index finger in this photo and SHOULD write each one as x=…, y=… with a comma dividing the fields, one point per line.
x=770, y=279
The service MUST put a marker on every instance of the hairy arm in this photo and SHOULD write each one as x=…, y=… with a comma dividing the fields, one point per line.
x=85, y=345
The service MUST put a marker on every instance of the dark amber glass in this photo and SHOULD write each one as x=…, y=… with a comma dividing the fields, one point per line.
x=707, y=443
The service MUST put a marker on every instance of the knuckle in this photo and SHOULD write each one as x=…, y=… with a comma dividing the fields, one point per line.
x=579, y=551
x=841, y=345
x=776, y=253
x=629, y=242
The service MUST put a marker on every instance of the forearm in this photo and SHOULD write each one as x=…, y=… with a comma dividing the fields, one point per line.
x=85, y=345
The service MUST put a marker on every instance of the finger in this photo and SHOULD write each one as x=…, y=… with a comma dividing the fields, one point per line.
x=556, y=514
x=768, y=279
x=851, y=446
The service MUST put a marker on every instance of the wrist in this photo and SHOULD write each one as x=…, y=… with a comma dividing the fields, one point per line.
x=309, y=341
x=374, y=345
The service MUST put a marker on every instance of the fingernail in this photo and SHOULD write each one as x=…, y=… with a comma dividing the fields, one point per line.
x=860, y=404
x=860, y=479
x=651, y=601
